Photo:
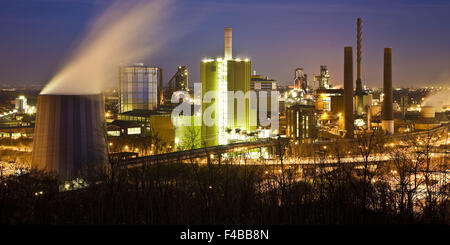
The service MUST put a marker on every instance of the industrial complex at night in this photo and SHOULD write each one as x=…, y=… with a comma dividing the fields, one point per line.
x=157, y=144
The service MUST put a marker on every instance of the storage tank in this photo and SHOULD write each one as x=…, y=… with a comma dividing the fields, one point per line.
x=428, y=111
x=69, y=136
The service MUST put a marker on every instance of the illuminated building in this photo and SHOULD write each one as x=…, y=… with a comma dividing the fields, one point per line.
x=182, y=79
x=323, y=78
x=260, y=84
x=178, y=82
x=300, y=80
x=324, y=98
x=21, y=104
x=220, y=76
x=301, y=122
x=138, y=87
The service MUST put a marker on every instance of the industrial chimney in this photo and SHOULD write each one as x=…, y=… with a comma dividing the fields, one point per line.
x=388, y=116
x=228, y=44
x=359, y=90
x=69, y=136
x=348, y=91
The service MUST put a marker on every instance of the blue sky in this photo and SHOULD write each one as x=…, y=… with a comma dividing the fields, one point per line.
x=36, y=37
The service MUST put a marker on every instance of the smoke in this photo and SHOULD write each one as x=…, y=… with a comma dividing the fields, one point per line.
x=126, y=32
x=437, y=100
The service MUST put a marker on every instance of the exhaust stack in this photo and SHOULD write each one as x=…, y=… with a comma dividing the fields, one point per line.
x=388, y=115
x=228, y=44
x=359, y=89
x=348, y=91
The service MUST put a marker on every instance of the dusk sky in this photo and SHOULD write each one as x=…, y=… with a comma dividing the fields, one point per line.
x=37, y=36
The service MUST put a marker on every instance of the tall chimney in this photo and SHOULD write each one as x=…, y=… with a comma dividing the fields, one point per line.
x=358, y=52
x=160, y=88
x=348, y=91
x=359, y=90
x=388, y=116
x=228, y=43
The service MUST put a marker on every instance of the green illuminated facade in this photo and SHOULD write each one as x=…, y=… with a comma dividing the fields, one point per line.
x=223, y=75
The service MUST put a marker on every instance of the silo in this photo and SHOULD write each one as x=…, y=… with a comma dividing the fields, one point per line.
x=70, y=137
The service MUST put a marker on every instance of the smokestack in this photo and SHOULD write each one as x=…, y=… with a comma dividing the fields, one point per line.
x=369, y=117
x=69, y=136
x=359, y=89
x=348, y=91
x=388, y=116
x=358, y=52
x=160, y=88
x=228, y=44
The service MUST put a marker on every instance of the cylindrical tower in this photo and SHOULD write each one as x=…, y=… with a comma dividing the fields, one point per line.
x=70, y=136
x=358, y=49
x=348, y=91
x=359, y=89
x=388, y=115
x=228, y=44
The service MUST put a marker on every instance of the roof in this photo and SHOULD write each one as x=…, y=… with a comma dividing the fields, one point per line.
x=143, y=113
x=125, y=124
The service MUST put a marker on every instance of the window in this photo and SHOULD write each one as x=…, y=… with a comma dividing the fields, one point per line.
x=134, y=131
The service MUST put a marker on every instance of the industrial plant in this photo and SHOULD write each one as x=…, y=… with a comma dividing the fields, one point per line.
x=154, y=138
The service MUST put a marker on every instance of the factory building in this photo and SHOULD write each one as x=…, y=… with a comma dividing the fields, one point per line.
x=138, y=87
x=323, y=78
x=300, y=80
x=220, y=76
x=324, y=98
x=178, y=82
x=301, y=122
x=264, y=85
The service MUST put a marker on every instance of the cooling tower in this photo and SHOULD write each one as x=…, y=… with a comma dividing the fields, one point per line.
x=387, y=123
x=348, y=91
x=69, y=137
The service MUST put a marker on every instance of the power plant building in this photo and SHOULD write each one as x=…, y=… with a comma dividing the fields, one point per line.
x=323, y=78
x=300, y=80
x=138, y=87
x=220, y=76
x=301, y=122
x=264, y=85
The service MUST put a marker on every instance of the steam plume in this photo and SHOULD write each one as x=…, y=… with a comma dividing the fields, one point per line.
x=126, y=32
x=437, y=100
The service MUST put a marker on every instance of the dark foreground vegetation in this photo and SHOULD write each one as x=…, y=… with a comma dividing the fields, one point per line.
x=188, y=193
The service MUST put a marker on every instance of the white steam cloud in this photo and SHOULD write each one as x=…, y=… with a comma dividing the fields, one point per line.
x=438, y=100
x=126, y=32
